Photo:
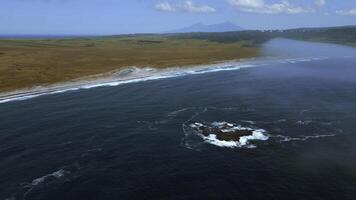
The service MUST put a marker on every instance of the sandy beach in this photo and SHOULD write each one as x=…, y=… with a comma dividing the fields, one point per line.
x=123, y=76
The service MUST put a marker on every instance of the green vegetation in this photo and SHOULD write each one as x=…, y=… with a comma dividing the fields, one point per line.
x=339, y=35
x=26, y=63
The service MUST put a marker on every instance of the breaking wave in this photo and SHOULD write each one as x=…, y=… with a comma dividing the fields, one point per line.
x=275, y=131
x=284, y=138
x=44, y=181
x=55, y=175
x=244, y=141
x=134, y=75
x=191, y=140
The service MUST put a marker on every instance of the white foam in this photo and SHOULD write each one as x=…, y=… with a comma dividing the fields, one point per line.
x=211, y=139
x=220, y=124
x=256, y=135
x=303, y=138
x=174, y=113
x=302, y=123
x=57, y=174
x=243, y=141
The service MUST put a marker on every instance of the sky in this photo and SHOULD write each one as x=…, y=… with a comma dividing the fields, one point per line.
x=103, y=17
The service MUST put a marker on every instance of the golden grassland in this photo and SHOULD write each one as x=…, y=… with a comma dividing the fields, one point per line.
x=26, y=63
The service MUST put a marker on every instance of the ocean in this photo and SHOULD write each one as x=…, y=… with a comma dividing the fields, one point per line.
x=133, y=141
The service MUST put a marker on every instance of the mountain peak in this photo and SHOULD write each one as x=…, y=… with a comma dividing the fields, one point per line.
x=200, y=27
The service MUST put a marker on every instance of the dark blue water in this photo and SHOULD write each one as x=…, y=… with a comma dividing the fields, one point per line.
x=127, y=142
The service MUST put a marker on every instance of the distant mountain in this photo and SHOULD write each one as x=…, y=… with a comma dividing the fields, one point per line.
x=223, y=27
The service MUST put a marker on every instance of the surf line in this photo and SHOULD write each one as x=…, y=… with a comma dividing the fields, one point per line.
x=141, y=75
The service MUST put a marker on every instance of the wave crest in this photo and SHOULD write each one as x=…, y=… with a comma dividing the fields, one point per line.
x=135, y=74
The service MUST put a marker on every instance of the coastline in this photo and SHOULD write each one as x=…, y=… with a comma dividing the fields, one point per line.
x=29, y=63
x=134, y=74
x=130, y=74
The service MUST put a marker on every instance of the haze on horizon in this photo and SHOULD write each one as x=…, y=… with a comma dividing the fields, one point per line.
x=100, y=17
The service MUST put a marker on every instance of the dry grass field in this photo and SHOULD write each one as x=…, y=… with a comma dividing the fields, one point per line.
x=27, y=63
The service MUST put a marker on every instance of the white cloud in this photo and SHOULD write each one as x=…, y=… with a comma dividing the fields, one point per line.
x=320, y=2
x=259, y=6
x=351, y=12
x=165, y=6
x=191, y=7
x=187, y=6
x=248, y=4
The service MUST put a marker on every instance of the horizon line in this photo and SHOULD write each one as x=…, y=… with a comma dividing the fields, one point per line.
x=70, y=35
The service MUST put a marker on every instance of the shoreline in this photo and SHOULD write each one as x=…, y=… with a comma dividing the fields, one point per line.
x=29, y=63
x=125, y=75
x=134, y=74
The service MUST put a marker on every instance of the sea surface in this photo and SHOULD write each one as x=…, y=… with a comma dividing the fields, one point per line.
x=132, y=141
